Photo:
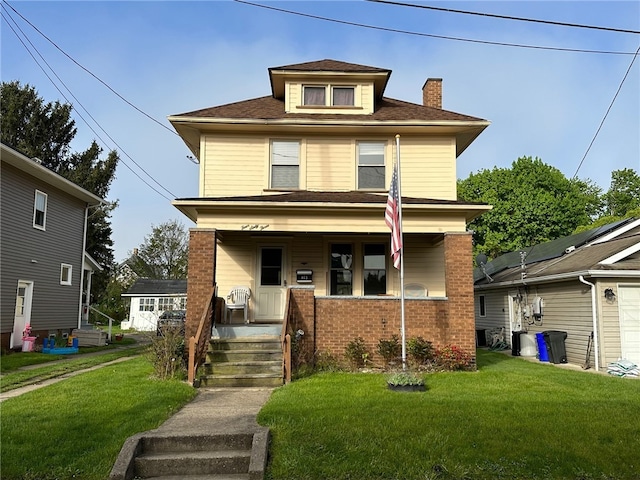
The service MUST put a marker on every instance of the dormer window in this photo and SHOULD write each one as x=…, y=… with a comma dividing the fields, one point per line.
x=328, y=95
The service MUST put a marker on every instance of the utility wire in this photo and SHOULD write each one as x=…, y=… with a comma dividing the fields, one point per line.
x=420, y=34
x=607, y=112
x=506, y=17
x=89, y=72
x=77, y=112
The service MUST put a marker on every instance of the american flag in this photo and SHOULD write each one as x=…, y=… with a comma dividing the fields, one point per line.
x=392, y=218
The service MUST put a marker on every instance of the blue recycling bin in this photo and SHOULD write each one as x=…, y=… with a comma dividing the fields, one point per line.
x=543, y=355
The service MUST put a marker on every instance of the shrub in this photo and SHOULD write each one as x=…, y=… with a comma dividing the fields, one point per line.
x=357, y=353
x=167, y=353
x=390, y=350
x=420, y=350
x=451, y=357
x=405, y=379
x=325, y=362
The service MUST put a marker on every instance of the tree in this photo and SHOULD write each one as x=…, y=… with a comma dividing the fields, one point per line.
x=45, y=130
x=532, y=203
x=164, y=253
x=624, y=192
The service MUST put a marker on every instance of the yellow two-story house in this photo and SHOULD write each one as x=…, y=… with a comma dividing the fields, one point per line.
x=292, y=194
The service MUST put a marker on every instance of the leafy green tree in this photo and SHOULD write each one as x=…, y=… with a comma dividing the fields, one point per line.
x=45, y=130
x=532, y=203
x=164, y=253
x=624, y=192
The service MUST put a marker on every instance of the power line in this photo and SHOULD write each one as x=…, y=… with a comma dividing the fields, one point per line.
x=607, y=112
x=507, y=17
x=77, y=112
x=429, y=35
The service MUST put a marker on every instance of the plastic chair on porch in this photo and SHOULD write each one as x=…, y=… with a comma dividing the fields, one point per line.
x=238, y=299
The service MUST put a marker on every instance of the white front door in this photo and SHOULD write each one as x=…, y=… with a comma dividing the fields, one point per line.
x=22, y=314
x=271, y=284
x=629, y=311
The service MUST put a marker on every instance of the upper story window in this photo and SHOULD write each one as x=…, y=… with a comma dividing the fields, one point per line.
x=328, y=95
x=40, y=210
x=371, y=165
x=285, y=164
x=65, y=274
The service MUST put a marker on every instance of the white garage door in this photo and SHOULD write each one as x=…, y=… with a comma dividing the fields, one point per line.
x=629, y=305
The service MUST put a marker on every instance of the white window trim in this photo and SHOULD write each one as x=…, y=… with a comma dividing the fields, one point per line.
x=384, y=164
x=328, y=95
x=66, y=280
x=35, y=204
x=285, y=163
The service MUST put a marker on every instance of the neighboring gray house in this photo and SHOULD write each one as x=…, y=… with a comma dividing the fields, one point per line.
x=149, y=298
x=43, y=219
x=589, y=282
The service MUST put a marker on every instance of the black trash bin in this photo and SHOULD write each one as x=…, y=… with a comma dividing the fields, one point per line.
x=515, y=342
x=555, y=345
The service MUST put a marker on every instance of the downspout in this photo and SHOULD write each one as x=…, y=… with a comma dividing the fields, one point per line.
x=595, y=320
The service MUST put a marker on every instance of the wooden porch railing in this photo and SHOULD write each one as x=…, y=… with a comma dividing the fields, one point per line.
x=285, y=339
x=199, y=343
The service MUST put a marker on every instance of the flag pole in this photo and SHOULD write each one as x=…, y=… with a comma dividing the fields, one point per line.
x=404, y=343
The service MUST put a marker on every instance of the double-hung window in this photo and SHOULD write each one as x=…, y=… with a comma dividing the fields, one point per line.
x=375, y=271
x=285, y=164
x=371, y=165
x=341, y=263
x=65, y=274
x=40, y=210
x=328, y=95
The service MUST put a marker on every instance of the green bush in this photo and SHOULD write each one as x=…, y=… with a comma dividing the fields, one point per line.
x=390, y=350
x=357, y=353
x=167, y=354
x=420, y=350
x=451, y=357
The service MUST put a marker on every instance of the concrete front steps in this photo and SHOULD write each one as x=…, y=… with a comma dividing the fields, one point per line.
x=240, y=456
x=253, y=361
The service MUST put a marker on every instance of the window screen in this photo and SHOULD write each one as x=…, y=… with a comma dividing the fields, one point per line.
x=285, y=164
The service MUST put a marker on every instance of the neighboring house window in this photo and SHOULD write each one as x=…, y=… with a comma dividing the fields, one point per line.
x=371, y=165
x=165, y=303
x=341, y=263
x=182, y=302
x=285, y=164
x=65, y=274
x=147, y=304
x=483, y=308
x=40, y=210
x=375, y=272
x=339, y=96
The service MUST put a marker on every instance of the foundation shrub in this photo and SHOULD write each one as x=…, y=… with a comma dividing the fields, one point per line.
x=390, y=349
x=451, y=357
x=357, y=353
x=167, y=354
x=420, y=351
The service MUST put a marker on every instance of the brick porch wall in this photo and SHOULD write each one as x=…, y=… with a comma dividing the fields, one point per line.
x=441, y=321
x=303, y=311
x=201, y=275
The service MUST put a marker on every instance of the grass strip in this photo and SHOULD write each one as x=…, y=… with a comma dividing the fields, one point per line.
x=22, y=378
x=512, y=419
x=75, y=429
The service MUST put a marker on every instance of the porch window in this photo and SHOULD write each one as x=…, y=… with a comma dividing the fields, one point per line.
x=65, y=274
x=165, y=303
x=371, y=165
x=375, y=272
x=40, y=210
x=341, y=262
x=285, y=164
x=147, y=304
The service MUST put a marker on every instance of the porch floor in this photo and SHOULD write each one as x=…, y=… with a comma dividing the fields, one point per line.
x=243, y=330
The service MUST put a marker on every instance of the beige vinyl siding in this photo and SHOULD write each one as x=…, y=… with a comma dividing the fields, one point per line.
x=330, y=164
x=424, y=265
x=428, y=167
x=233, y=166
x=235, y=263
x=366, y=98
x=307, y=254
x=609, y=322
x=496, y=313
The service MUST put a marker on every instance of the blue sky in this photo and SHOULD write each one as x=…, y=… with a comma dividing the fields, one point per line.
x=174, y=57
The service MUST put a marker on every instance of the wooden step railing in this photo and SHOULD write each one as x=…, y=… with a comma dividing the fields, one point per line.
x=199, y=343
x=285, y=339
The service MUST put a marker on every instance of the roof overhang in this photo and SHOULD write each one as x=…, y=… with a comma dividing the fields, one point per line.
x=191, y=128
x=561, y=277
x=31, y=167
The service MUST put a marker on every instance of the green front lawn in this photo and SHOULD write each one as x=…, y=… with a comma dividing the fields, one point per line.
x=512, y=419
x=75, y=429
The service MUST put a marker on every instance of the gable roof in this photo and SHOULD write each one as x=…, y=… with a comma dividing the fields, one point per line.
x=30, y=167
x=154, y=287
x=574, y=254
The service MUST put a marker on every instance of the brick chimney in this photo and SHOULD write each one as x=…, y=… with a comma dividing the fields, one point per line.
x=432, y=93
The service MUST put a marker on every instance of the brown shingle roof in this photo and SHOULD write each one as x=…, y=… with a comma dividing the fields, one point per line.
x=330, y=197
x=328, y=65
x=269, y=108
